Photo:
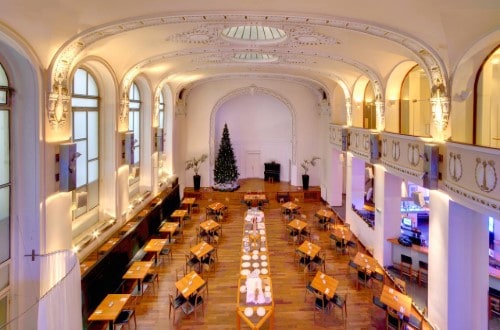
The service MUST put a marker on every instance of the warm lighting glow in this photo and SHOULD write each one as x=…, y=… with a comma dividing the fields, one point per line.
x=95, y=234
x=75, y=249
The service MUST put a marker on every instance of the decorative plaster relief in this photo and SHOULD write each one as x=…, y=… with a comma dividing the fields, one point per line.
x=455, y=169
x=485, y=174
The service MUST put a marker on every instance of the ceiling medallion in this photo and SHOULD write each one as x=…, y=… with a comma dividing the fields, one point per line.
x=254, y=33
x=254, y=57
x=199, y=35
x=306, y=36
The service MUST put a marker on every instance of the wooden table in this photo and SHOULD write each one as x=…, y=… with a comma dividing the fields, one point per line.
x=129, y=225
x=297, y=225
x=216, y=208
x=189, y=201
x=309, y=249
x=178, y=214
x=255, y=321
x=189, y=284
x=396, y=300
x=137, y=271
x=202, y=249
x=155, y=245
x=108, y=245
x=169, y=228
x=367, y=262
x=254, y=199
x=85, y=265
x=209, y=226
x=290, y=207
x=342, y=232
x=109, y=309
x=325, y=284
x=324, y=215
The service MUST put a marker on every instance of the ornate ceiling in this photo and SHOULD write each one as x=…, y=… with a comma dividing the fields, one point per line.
x=324, y=42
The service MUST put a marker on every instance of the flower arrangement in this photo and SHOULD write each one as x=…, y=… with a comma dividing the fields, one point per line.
x=307, y=163
x=195, y=163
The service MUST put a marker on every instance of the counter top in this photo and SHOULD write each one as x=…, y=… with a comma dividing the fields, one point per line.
x=414, y=247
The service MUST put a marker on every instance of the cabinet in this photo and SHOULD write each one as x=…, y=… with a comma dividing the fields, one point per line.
x=272, y=170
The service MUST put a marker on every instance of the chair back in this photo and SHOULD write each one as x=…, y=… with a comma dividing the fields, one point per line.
x=423, y=265
x=406, y=259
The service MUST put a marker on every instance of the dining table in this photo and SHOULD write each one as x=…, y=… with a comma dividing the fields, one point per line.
x=189, y=284
x=138, y=271
x=298, y=226
x=341, y=233
x=109, y=308
x=324, y=217
x=155, y=245
x=309, y=249
x=289, y=208
x=325, y=284
x=215, y=208
x=169, y=228
x=178, y=215
x=188, y=201
x=396, y=300
x=210, y=226
x=201, y=249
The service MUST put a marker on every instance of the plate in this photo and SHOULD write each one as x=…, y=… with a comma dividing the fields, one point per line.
x=263, y=271
x=255, y=257
x=256, y=271
x=267, y=288
x=248, y=311
x=245, y=272
x=263, y=263
x=243, y=289
x=245, y=264
x=255, y=251
x=262, y=232
x=261, y=311
x=263, y=249
x=255, y=265
x=263, y=257
x=246, y=257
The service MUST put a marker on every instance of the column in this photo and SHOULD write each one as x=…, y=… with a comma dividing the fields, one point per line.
x=458, y=265
x=335, y=178
x=387, y=213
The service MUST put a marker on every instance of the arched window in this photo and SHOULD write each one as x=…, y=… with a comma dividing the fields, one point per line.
x=134, y=125
x=5, y=190
x=161, y=112
x=85, y=106
x=487, y=102
x=369, y=112
x=415, y=107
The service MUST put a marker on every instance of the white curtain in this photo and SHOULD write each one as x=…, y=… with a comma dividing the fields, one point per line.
x=60, y=305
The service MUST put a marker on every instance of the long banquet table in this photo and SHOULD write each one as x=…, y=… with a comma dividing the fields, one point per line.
x=255, y=303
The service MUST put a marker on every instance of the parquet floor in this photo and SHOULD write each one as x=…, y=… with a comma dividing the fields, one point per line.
x=292, y=312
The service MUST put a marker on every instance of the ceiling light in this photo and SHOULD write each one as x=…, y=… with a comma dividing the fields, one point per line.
x=254, y=33
x=254, y=57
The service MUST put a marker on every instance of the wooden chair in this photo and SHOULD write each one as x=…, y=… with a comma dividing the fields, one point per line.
x=400, y=285
x=422, y=272
x=150, y=280
x=124, y=319
x=341, y=302
x=166, y=253
x=393, y=321
x=198, y=299
x=308, y=277
x=406, y=266
x=175, y=304
x=319, y=260
x=321, y=303
x=191, y=262
x=352, y=248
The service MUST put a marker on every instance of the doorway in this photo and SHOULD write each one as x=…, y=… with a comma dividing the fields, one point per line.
x=253, y=167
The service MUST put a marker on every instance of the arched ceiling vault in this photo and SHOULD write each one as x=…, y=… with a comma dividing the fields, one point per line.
x=191, y=47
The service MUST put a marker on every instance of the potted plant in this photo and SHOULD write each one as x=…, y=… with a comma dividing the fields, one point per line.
x=305, y=165
x=195, y=164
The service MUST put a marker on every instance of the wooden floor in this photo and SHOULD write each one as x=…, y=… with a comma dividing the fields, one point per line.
x=292, y=312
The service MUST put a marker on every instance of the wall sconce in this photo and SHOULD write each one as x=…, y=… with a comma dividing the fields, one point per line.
x=158, y=141
x=67, y=166
x=128, y=148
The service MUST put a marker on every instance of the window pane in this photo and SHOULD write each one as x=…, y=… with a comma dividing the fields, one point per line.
x=4, y=224
x=160, y=119
x=3, y=307
x=93, y=134
x=4, y=281
x=80, y=82
x=83, y=102
x=3, y=97
x=3, y=77
x=136, y=155
x=134, y=105
x=92, y=87
x=81, y=164
x=93, y=195
x=79, y=125
x=136, y=127
x=93, y=171
x=4, y=145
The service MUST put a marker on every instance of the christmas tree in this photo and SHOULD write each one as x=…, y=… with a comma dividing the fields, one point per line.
x=225, y=170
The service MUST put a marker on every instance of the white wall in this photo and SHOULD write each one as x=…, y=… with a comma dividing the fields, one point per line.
x=302, y=122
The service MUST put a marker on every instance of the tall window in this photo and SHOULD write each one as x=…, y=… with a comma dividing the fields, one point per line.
x=85, y=104
x=487, y=107
x=5, y=187
x=369, y=112
x=161, y=112
x=415, y=106
x=134, y=124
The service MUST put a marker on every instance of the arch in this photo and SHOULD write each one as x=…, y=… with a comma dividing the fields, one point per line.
x=168, y=127
x=249, y=90
x=392, y=94
x=358, y=94
x=28, y=172
x=109, y=152
x=462, y=84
